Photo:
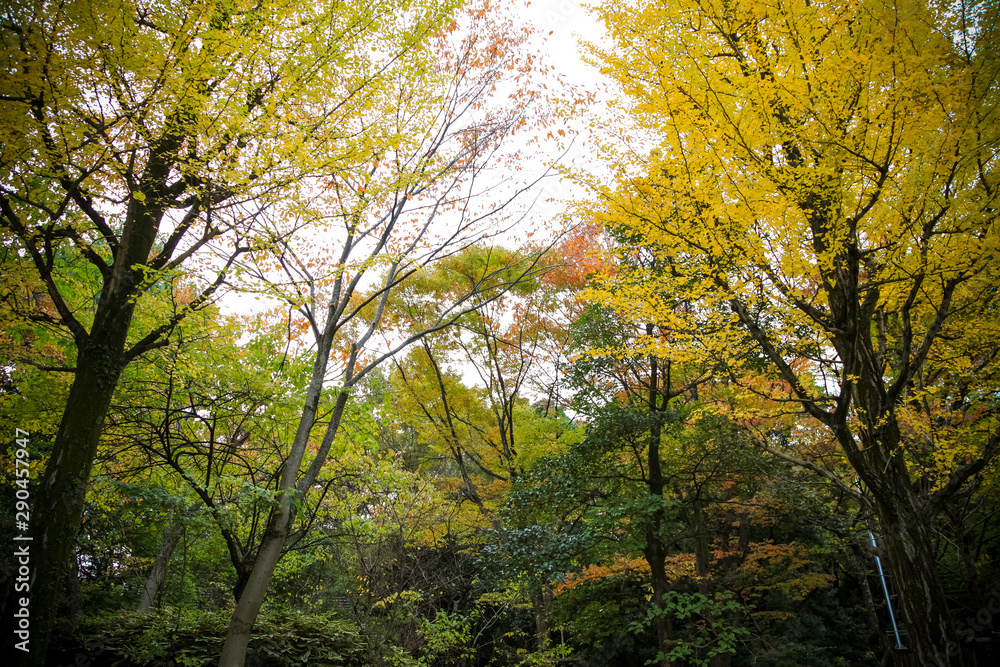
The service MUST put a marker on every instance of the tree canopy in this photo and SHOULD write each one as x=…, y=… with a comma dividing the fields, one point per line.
x=285, y=383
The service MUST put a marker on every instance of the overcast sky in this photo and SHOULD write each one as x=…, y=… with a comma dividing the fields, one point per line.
x=566, y=20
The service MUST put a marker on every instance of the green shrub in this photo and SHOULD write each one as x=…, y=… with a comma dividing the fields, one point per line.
x=175, y=638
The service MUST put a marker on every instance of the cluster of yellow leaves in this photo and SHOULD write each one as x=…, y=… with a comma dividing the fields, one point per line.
x=814, y=168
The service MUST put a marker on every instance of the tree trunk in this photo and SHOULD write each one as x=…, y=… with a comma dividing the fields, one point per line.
x=58, y=509
x=248, y=606
x=860, y=579
x=906, y=536
x=272, y=543
x=906, y=541
x=655, y=551
x=655, y=555
x=699, y=529
x=904, y=517
x=976, y=591
x=74, y=593
x=541, y=602
x=244, y=569
x=150, y=598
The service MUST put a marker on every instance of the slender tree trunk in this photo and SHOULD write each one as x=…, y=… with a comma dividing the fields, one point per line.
x=973, y=586
x=655, y=555
x=700, y=529
x=248, y=606
x=876, y=638
x=74, y=593
x=244, y=569
x=541, y=603
x=655, y=551
x=157, y=575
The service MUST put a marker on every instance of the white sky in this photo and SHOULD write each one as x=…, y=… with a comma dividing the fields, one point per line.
x=566, y=20
x=560, y=25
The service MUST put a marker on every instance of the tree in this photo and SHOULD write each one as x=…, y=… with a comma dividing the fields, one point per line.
x=629, y=374
x=489, y=432
x=824, y=193
x=420, y=202
x=145, y=139
x=510, y=346
x=693, y=494
x=211, y=415
x=637, y=398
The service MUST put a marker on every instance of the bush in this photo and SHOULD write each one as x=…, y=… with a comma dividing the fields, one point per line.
x=175, y=638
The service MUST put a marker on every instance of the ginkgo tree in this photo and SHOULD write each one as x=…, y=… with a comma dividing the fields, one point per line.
x=819, y=180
